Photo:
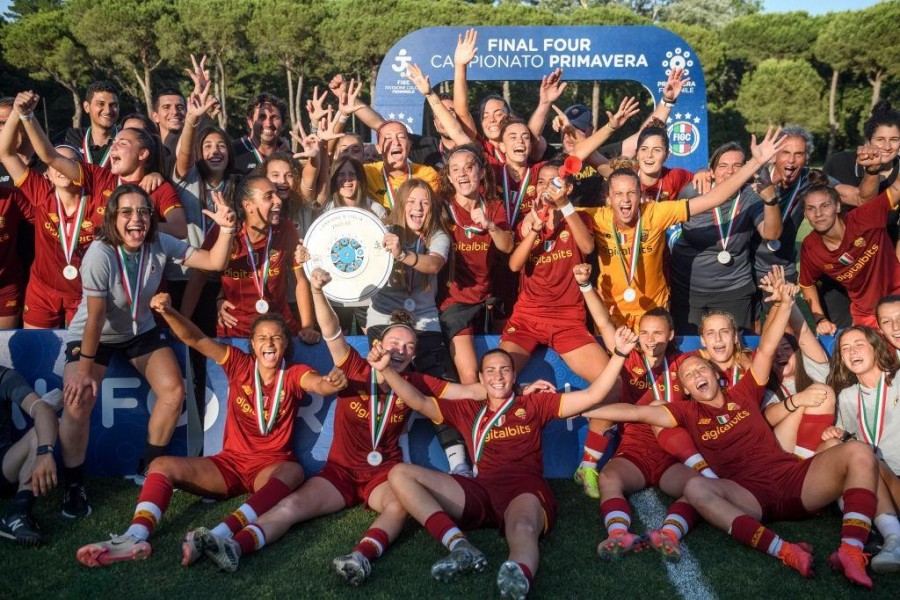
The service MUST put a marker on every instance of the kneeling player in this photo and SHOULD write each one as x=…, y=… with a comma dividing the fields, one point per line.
x=256, y=455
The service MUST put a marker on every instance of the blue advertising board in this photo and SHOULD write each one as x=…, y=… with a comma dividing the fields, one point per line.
x=644, y=54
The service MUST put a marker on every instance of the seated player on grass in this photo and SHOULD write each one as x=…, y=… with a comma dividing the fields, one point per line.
x=509, y=491
x=28, y=467
x=256, y=451
x=762, y=481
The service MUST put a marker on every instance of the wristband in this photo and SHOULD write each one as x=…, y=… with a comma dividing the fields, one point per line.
x=403, y=256
x=26, y=116
x=668, y=103
x=611, y=128
x=774, y=202
x=228, y=230
x=568, y=209
x=334, y=337
x=788, y=406
x=585, y=287
x=847, y=436
x=618, y=353
x=820, y=319
x=537, y=231
x=45, y=449
x=868, y=172
x=343, y=119
x=88, y=356
x=415, y=262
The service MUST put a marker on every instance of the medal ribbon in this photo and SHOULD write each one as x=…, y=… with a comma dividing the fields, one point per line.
x=410, y=272
x=872, y=435
x=86, y=147
x=513, y=200
x=259, y=280
x=132, y=286
x=70, y=243
x=724, y=235
x=203, y=222
x=793, y=201
x=469, y=230
x=735, y=375
x=667, y=381
x=379, y=414
x=785, y=392
x=266, y=426
x=387, y=182
x=249, y=145
x=635, y=248
x=479, y=436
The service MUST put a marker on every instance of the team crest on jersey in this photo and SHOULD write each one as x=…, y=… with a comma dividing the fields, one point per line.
x=859, y=242
x=520, y=413
x=247, y=389
x=828, y=267
x=564, y=236
x=530, y=190
x=638, y=371
x=845, y=259
x=731, y=406
x=53, y=217
x=101, y=210
x=722, y=419
x=86, y=225
x=510, y=330
x=107, y=193
x=501, y=420
x=703, y=421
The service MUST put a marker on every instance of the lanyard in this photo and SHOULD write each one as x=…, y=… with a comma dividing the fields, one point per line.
x=792, y=201
x=249, y=145
x=513, y=200
x=619, y=239
x=132, y=285
x=470, y=230
x=206, y=226
x=86, y=146
x=725, y=235
x=379, y=413
x=389, y=191
x=259, y=280
x=69, y=243
x=667, y=381
x=872, y=435
x=480, y=434
x=265, y=426
x=411, y=272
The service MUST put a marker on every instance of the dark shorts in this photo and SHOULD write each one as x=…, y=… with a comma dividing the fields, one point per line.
x=563, y=335
x=355, y=487
x=240, y=470
x=465, y=319
x=487, y=501
x=136, y=347
x=780, y=495
x=740, y=302
x=651, y=462
x=7, y=487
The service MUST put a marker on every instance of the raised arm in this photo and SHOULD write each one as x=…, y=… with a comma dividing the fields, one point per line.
x=552, y=87
x=531, y=228
x=462, y=56
x=364, y=112
x=454, y=130
x=8, y=154
x=303, y=293
x=782, y=301
x=597, y=309
x=216, y=258
x=806, y=339
x=186, y=331
x=197, y=106
x=585, y=149
x=380, y=359
x=25, y=104
x=761, y=154
x=328, y=321
x=674, y=84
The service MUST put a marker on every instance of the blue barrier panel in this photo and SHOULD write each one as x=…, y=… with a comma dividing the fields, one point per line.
x=119, y=421
x=644, y=54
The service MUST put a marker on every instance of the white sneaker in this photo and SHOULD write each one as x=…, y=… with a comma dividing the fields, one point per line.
x=888, y=560
x=354, y=568
x=225, y=552
x=118, y=548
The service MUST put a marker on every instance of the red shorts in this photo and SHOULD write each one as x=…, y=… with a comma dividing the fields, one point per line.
x=240, y=470
x=10, y=300
x=651, y=460
x=486, y=501
x=46, y=308
x=780, y=495
x=355, y=486
x=563, y=335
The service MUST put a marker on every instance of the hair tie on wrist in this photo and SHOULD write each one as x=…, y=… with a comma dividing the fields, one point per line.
x=618, y=353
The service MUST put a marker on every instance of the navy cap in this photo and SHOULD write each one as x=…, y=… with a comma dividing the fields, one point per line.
x=580, y=116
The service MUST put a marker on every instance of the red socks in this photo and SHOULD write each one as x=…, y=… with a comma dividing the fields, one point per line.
x=859, y=507
x=616, y=515
x=373, y=543
x=259, y=502
x=443, y=529
x=751, y=532
x=153, y=501
x=681, y=519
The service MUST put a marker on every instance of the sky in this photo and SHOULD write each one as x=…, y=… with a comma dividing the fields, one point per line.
x=815, y=7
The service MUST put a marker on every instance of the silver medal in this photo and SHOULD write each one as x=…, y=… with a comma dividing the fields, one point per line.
x=724, y=257
x=374, y=458
x=70, y=272
x=262, y=307
x=774, y=245
x=630, y=295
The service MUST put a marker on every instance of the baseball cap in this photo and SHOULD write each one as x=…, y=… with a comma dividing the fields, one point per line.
x=580, y=116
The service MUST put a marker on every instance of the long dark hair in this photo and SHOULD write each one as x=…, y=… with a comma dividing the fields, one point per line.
x=361, y=195
x=109, y=234
x=841, y=377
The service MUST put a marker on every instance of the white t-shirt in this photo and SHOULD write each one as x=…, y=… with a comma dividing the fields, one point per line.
x=888, y=448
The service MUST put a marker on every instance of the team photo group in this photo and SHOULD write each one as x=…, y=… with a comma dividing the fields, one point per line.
x=552, y=230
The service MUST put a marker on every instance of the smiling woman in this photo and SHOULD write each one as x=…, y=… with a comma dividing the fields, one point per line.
x=119, y=272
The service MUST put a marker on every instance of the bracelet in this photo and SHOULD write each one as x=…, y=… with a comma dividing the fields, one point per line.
x=26, y=116
x=538, y=230
x=668, y=103
x=45, y=449
x=585, y=287
x=343, y=119
x=331, y=338
x=402, y=257
x=429, y=94
x=868, y=172
x=820, y=319
x=611, y=128
x=193, y=125
x=416, y=261
x=789, y=409
x=774, y=202
x=618, y=353
x=87, y=356
x=228, y=230
x=776, y=304
x=568, y=209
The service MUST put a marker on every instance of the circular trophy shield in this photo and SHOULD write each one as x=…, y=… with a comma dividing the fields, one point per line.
x=347, y=242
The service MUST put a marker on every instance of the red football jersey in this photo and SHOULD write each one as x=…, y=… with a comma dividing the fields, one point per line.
x=242, y=432
x=49, y=260
x=668, y=186
x=102, y=183
x=514, y=443
x=238, y=284
x=14, y=209
x=639, y=438
x=637, y=380
x=735, y=438
x=352, y=441
x=474, y=255
x=864, y=262
x=547, y=288
x=503, y=178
